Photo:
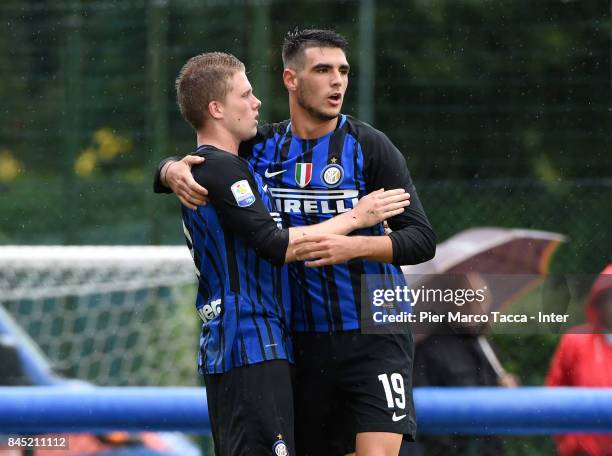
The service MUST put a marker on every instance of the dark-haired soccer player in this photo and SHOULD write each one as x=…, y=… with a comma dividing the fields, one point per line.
x=243, y=296
x=316, y=165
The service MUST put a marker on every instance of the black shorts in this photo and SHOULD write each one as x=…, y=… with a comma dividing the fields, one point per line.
x=251, y=410
x=347, y=383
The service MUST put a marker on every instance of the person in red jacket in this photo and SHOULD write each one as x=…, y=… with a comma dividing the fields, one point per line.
x=584, y=358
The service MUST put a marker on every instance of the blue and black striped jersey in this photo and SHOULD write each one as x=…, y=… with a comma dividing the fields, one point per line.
x=238, y=249
x=313, y=180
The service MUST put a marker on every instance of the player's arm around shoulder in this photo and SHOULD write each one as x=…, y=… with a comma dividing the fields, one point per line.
x=235, y=195
x=174, y=175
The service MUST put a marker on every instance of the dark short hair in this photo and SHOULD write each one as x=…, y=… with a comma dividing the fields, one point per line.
x=297, y=41
x=204, y=78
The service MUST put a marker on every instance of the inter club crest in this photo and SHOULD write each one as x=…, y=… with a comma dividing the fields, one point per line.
x=280, y=447
x=303, y=174
x=332, y=175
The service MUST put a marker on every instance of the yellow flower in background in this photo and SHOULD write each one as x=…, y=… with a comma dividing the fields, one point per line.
x=545, y=170
x=109, y=144
x=10, y=167
x=105, y=146
x=86, y=162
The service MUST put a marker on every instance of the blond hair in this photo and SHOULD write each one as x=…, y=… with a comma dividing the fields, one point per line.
x=204, y=78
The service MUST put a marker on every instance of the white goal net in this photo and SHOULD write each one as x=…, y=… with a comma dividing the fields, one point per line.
x=110, y=315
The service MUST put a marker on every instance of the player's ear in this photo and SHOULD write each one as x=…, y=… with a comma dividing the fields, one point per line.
x=290, y=79
x=215, y=109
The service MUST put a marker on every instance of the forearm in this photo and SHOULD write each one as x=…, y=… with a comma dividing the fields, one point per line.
x=341, y=224
x=337, y=225
x=327, y=249
x=344, y=223
x=164, y=171
x=160, y=185
x=374, y=248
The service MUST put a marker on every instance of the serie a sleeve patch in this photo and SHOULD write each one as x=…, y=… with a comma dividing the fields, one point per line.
x=242, y=193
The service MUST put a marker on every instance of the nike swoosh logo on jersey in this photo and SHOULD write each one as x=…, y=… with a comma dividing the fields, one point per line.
x=268, y=174
x=397, y=418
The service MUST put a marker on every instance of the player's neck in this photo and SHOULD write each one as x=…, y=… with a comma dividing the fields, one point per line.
x=306, y=126
x=219, y=138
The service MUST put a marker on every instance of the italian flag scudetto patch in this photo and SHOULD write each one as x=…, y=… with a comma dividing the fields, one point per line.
x=303, y=174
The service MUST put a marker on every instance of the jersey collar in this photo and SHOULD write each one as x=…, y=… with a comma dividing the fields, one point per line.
x=339, y=124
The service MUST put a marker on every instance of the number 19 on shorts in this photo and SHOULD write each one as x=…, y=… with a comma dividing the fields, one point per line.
x=394, y=390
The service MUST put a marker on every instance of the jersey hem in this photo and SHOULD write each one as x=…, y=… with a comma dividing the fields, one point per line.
x=325, y=329
x=207, y=371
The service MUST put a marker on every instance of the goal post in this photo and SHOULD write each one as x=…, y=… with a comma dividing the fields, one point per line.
x=111, y=315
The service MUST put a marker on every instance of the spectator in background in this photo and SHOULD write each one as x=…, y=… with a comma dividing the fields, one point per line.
x=456, y=355
x=584, y=358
